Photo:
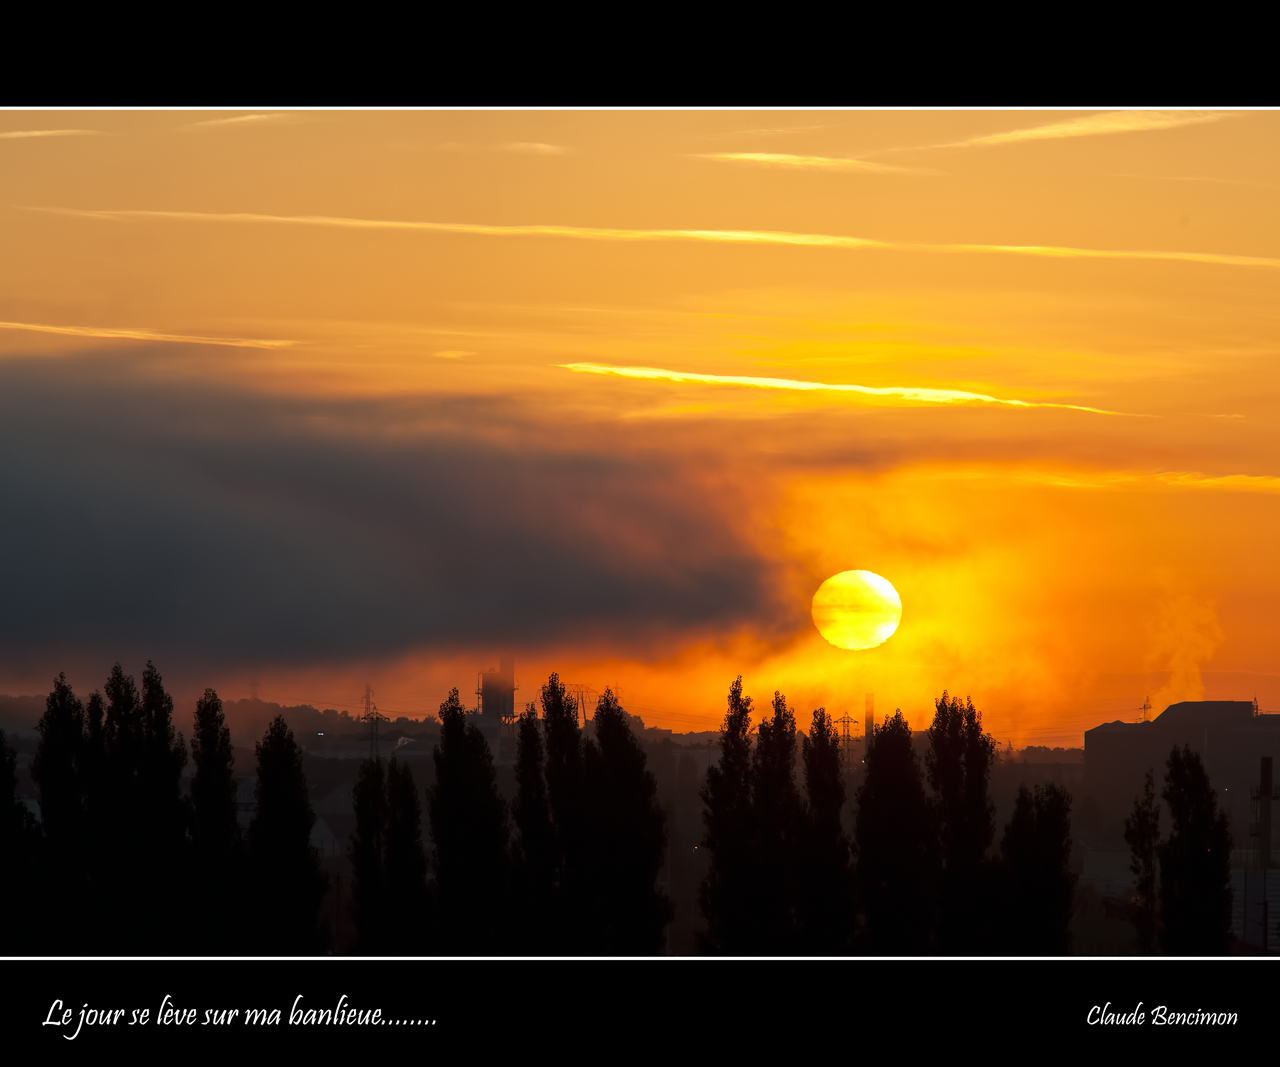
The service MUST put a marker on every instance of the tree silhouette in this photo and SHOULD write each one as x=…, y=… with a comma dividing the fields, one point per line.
x=626, y=833
x=287, y=880
x=469, y=827
x=959, y=768
x=162, y=757
x=825, y=909
x=1142, y=833
x=95, y=786
x=217, y=843
x=56, y=772
x=389, y=893
x=162, y=818
x=895, y=845
x=534, y=851
x=121, y=848
x=19, y=841
x=1036, y=851
x=1195, y=862
x=367, y=853
x=727, y=895
x=777, y=820
x=116, y=822
x=122, y=734
x=567, y=802
x=405, y=877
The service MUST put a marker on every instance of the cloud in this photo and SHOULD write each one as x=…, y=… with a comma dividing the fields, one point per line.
x=452, y=354
x=145, y=335
x=907, y=393
x=739, y=237
x=527, y=148
x=533, y=148
x=1109, y=122
x=1229, y=483
x=210, y=526
x=15, y=134
x=783, y=159
x=763, y=131
x=241, y=120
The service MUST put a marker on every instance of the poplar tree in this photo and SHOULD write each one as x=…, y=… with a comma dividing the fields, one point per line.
x=567, y=804
x=121, y=848
x=777, y=820
x=1036, y=854
x=67, y=842
x=959, y=767
x=367, y=853
x=1142, y=834
x=389, y=894
x=217, y=843
x=98, y=803
x=896, y=845
x=405, y=869
x=288, y=883
x=534, y=852
x=161, y=817
x=727, y=894
x=470, y=831
x=1195, y=862
x=19, y=842
x=56, y=772
x=825, y=901
x=626, y=837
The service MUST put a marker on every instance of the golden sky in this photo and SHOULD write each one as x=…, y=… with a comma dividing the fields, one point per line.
x=321, y=398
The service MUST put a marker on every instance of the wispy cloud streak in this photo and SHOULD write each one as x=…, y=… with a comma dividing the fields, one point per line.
x=534, y=148
x=144, y=335
x=1109, y=122
x=756, y=237
x=1236, y=483
x=908, y=393
x=16, y=134
x=240, y=120
x=798, y=162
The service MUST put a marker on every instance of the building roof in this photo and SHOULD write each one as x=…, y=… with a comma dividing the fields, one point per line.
x=1187, y=714
x=1206, y=713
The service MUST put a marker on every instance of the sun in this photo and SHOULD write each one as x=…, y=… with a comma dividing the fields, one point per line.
x=856, y=609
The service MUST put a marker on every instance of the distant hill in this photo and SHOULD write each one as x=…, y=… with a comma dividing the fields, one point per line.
x=248, y=720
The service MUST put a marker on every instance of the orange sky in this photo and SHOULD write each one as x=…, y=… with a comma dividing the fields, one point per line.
x=396, y=289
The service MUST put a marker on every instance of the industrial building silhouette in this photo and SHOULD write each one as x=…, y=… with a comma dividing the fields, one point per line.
x=1237, y=744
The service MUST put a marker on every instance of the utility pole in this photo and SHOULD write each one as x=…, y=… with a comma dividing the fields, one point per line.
x=372, y=716
x=846, y=740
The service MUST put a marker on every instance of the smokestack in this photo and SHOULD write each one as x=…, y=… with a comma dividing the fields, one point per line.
x=871, y=717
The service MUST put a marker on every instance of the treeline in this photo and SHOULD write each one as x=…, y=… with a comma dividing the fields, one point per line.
x=916, y=876
x=570, y=869
x=122, y=862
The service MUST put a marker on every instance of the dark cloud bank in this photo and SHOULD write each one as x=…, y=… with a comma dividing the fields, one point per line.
x=207, y=527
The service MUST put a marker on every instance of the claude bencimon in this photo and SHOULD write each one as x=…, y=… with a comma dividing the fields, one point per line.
x=1160, y=1016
